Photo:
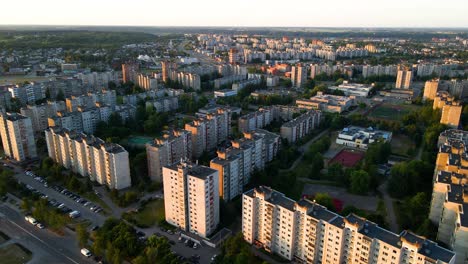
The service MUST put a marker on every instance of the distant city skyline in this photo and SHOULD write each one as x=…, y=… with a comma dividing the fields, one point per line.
x=242, y=13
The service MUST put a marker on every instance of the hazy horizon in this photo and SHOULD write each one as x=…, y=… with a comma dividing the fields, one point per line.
x=242, y=13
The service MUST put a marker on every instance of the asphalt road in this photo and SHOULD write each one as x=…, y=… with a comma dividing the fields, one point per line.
x=47, y=247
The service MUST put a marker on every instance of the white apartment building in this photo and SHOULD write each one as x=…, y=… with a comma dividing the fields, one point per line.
x=17, y=136
x=39, y=114
x=98, y=80
x=171, y=148
x=258, y=119
x=191, y=198
x=449, y=202
x=300, y=126
x=106, y=163
x=307, y=232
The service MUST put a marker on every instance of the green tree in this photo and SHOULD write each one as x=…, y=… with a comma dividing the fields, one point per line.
x=82, y=235
x=360, y=181
x=325, y=200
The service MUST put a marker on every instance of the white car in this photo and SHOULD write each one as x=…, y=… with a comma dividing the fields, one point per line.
x=41, y=226
x=85, y=252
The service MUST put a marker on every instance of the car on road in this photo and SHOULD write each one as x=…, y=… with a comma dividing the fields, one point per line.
x=85, y=252
x=41, y=226
x=195, y=245
x=31, y=220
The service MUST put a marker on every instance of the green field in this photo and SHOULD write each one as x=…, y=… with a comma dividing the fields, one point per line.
x=151, y=214
x=393, y=112
x=139, y=140
x=14, y=254
x=403, y=145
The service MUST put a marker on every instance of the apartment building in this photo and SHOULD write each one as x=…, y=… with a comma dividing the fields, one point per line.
x=39, y=114
x=98, y=80
x=130, y=71
x=171, y=148
x=84, y=119
x=404, y=78
x=258, y=119
x=326, y=103
x=449, y=202
x=17, y=136
x=451, y=109
x=298, y=75
x=165, y=104
x=431, y=88
x=208, y=132
x=89, y=156
x=191, y=198
x=300, y=126
x=167, y=69
x=237, y=163
x=147, y=82
x=309, y=233
x=360, y=137
x=28, y=93
x=105, y=97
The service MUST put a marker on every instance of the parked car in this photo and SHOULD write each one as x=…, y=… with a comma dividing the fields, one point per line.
x=85, y=252
x=41, y=226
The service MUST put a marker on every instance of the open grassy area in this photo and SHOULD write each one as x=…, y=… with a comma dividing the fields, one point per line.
x=151, y=214
x=392, y=112
x=4, y=80
x=3, y=238
x=403, y=145
x=14, y=254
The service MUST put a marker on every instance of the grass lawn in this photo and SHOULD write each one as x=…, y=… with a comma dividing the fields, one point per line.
x=3, y=238
x=401, y=144
x=14, y=254
x=393, y=112
x=20, y=79
x=151, y=214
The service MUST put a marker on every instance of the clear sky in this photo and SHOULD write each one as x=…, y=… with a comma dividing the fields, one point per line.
x=295, y=13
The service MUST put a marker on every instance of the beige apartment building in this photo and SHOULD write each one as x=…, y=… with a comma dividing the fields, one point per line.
x=451, y=109
x=17, y=136
x=308, y=233
x=147, y=82
x=404, y=78
x=208, y=132
x=105, y=163
x=191, y=198
x=449, y=203
x=431, y=88
x=171, y=148
x=298, y=75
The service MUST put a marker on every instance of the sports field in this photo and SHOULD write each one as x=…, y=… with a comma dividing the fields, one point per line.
x=139, y=140
x=392, y=112
x=347, y=158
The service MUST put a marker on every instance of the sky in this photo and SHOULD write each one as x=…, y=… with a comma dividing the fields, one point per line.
x=273, y=13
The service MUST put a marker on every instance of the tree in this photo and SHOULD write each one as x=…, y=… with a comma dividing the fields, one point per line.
x=60, y=95
x=325, y=200
x=82, y=235
x=360, y=181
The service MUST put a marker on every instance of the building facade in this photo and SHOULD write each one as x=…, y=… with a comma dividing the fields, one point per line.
x=17, y=136
x=307, y=232
x=449, y=202
x=191, y=198
x=105, y=163
x=300, y=126
x=171, y=148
